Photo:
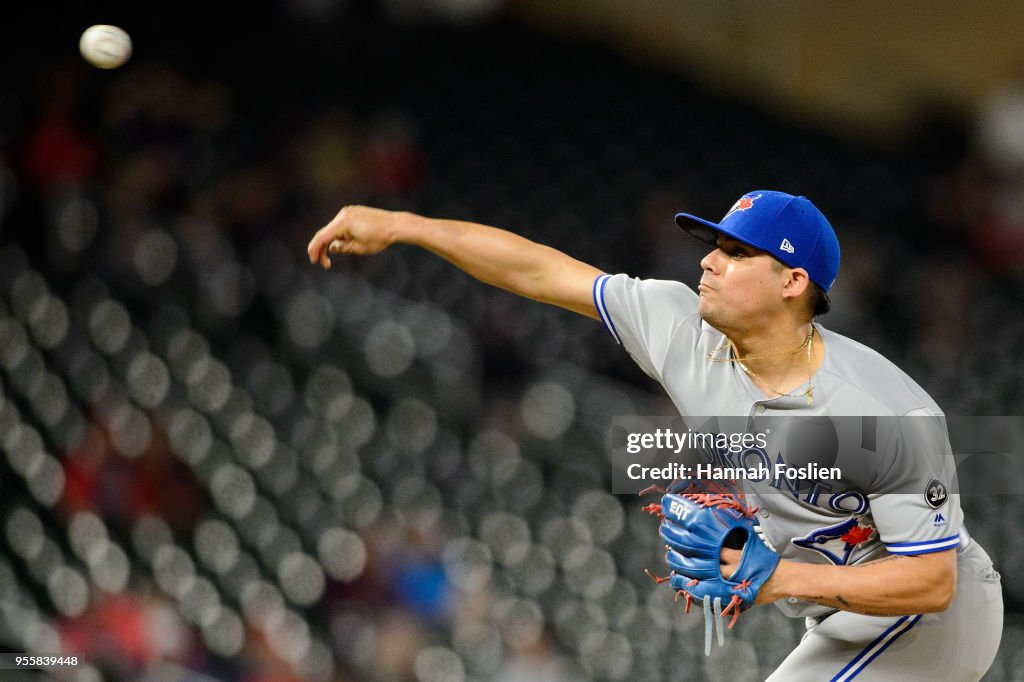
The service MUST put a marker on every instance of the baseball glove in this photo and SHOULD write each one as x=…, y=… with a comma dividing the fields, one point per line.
x=695, y=526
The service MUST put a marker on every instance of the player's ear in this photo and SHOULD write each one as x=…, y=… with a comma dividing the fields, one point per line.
x=796, y=283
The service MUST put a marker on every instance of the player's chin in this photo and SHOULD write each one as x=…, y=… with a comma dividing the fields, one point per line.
x=704, y=308
x=711, y=315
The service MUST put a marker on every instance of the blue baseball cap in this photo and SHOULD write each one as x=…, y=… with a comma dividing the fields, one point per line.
x=786, y=226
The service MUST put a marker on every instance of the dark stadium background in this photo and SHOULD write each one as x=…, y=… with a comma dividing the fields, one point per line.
x=221, y=463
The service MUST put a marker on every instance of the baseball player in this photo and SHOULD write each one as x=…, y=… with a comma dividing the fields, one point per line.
x=889, y=581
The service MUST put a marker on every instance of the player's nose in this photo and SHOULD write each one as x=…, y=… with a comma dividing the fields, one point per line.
x=712, y=261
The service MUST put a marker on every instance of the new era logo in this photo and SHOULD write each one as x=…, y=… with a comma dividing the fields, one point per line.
x=786, y=246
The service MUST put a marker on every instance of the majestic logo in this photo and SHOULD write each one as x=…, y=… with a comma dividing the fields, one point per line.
x=940, y=520
x=787, y=246
x=837, y=542
x=935, y=493
x=744, y=204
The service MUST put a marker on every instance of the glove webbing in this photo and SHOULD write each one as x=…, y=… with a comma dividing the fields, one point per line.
x=704, y=499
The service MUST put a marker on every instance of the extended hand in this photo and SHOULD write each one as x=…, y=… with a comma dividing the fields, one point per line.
x=356, y=230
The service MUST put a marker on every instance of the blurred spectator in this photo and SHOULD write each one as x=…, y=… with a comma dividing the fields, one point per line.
x=393, y=161
x=999, y=234
x=123, y=488
x=325, y=159
x=58, y=149
x=127, y=632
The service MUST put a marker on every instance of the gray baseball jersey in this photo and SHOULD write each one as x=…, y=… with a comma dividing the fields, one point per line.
x=845, y=521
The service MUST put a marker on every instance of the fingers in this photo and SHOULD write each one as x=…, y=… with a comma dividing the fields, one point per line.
x=322, y=257
x=731, y=556
x=730, y=561
x=323, y=242
x=313, y=248
x=317, y=248
x=356, y=230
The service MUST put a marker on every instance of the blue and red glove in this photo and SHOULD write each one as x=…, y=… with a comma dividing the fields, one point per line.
x=695, y=527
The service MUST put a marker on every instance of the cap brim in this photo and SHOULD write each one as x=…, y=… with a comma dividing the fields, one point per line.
x=704, y=230
x=708, y=232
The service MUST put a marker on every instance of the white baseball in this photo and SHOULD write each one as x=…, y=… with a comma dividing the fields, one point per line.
x=107, y=47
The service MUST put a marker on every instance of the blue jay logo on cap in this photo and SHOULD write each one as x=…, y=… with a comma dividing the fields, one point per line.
x=744, y=203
